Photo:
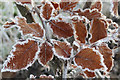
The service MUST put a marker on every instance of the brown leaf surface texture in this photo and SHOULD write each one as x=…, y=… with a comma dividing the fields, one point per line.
x=33, y=28
x=89, y=74
x=98, y=30
x=61, y=28
x=62, y=49
x=87, y=58
x=46, y=53
x=22, y=56
x=80, y=31
x=107, y=55
x=47, y=11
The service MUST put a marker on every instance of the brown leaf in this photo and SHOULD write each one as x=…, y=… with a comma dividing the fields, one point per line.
x=68, y=4
x=45, y=77
x=80, y=31
x=98, y=30
x=107, y=55
x=24, y=1
x=97, y=5
x=46, y=11
x=22, y=55
x=61, y=28
x=115, y=7
x=90, y=14
x=56, y=5
x=46, y=53
x=8, y=24
x=62, y=49
x=34, y=28
x=89, y=74
x=87, y=58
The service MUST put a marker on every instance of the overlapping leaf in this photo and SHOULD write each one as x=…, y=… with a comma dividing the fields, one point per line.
x=98, y=30
x=90, y=14
x=45, y=54
x=87, y=58
x=61, y=28
x=62, y=49
x=22, y=55
x=46, y=11
x=97, y=5
x=107, y=55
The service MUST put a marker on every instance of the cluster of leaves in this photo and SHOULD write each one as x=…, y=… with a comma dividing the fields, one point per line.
x=61, y=21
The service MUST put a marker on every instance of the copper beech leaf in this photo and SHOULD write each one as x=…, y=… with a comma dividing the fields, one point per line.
x=97, y=5
x=98, y=29
x=68, y=4
x=90, y=14
x=46, y=53
x=33, y=29
x=61, y=29
x=21, y=56
x=46, y=11
x=62, y=49
x=107, y=55
x=88, y=58
x=80, y=31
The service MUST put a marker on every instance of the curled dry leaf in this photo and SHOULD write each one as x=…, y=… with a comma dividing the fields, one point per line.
x=97, y=5
x=45, y=54
x=80, y=31
x=107, y=55
x=33, y=28
x=98, y=29
x=22, y=56
x=61, y=28
x=87, y=58
x=68, y=4
x=62, y=49
x=90, y=14
x=46, y=11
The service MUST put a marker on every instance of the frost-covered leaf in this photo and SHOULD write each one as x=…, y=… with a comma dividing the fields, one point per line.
x=62, y=49
x=61, y=28
x=80, y=31
x=107, y=55
x=33, y=29
x=68, y=4
x=98, y=29
x=46, y=11
x=97, y=5
x=24, y=1
x=46, y=53
x=45, y=77
x=90, y=14
x=88, y=58
x=8, y=24
x=55, y=4
x=114, y=8
x=89, y=74
x=22, y=55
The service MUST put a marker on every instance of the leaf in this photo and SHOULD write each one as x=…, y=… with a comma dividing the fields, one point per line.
x=21, y=56
x=88, y=58
x=80, y=31
x=45, y=77
x=61, y=28
x=97, y=5
x=9, y=24
x=55, y=4
x=24, y=1
x=107, y=55
x=46, y=53
x=62, y=49
x=114, y=8
x=68, y=4
x=34, y=28
x=98, y=30
x=89, y=74
x=90, y=14
x=46, y=11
